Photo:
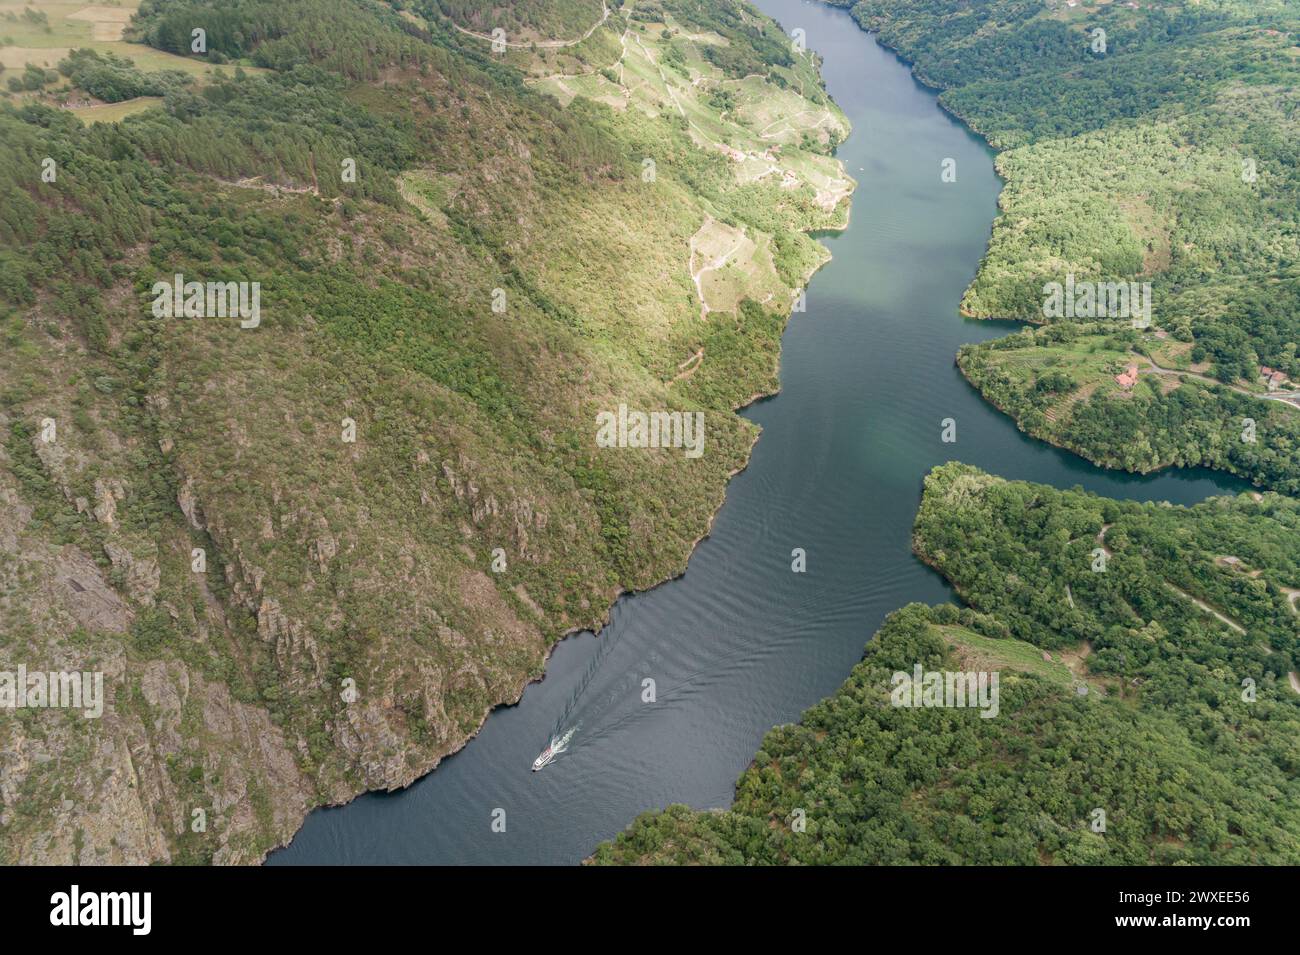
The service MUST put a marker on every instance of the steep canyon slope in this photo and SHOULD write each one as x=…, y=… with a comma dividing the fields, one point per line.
x=310, y=549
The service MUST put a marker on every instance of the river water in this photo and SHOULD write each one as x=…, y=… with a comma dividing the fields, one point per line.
x=741, y=643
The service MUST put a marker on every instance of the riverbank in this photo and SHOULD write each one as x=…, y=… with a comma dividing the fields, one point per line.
x=1123, y=165
x=743, y=642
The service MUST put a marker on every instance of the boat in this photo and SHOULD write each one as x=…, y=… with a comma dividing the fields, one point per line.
x=557, y=745
x=547, y=755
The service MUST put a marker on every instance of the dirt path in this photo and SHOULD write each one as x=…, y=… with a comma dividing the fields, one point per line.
x=687, y=368
x=1075, y=660
x=1291, y=398
x=1224, y=618
x=1291, y=594
x=1162, y=370
x=698, y=274
x=542, y=44
x=1286, y=397
x=668, y=87
x=1207, y=608
x=822, y=118
x=256, y=182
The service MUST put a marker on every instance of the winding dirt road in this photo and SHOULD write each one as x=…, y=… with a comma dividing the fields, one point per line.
x=1286, y=397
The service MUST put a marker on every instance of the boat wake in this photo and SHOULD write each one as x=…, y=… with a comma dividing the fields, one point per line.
x=557, y=745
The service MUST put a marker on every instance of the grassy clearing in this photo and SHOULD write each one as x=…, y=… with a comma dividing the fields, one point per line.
x=115, y=112
x=74, y=25
x=978, y=652
x=728, y=267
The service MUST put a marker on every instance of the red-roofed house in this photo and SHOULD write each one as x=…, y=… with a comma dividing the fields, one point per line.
x=1272, y=377
x=1128, y=377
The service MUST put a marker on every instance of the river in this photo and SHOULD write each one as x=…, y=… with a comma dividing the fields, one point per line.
x=741, y=643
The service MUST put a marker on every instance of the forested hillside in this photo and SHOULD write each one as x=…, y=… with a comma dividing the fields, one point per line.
x=1159, y=689
x=312, y=548
x=1149, y=655
x=1144, y=142
x=1062, y=383
x=526, y=20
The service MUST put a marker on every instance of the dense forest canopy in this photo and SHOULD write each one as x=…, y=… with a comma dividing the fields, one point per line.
x=525, y=19
x=356, y=38
x=1149, y=654
x=1145, y=142
x=386, y=180
x=1118, y=693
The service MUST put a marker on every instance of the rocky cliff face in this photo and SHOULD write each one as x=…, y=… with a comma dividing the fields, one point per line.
x=124, y=787
x=308, y=558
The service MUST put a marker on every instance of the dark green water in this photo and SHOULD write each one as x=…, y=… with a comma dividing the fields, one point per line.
x=741, y=643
